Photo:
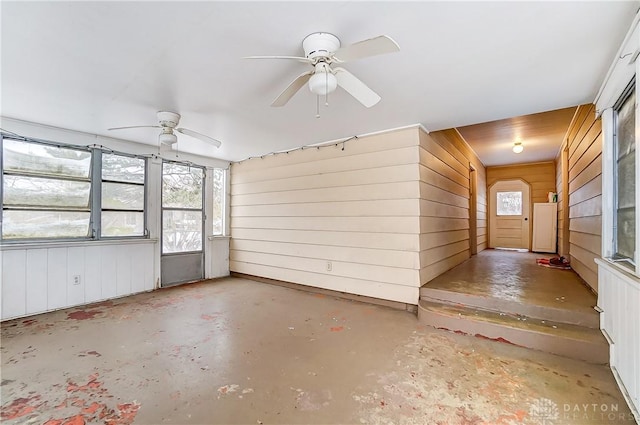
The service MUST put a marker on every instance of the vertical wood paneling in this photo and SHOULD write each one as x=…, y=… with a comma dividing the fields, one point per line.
x=36, y=281
x=584, y=196
x=138, y=275
x=93, y=274
x=315, y=216
x=14, y=283
x=57, y=278
x=618, y=296
x=123, y=271
x=75, y=267
x=109, y=264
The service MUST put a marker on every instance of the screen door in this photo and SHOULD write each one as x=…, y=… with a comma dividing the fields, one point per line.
x=182, y=257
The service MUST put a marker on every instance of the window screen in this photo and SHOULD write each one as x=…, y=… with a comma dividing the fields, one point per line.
x=122, y=192
x=625, y=179
x=46, y=191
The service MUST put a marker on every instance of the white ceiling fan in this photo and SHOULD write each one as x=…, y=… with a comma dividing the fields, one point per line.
x=167, y=123
x=321, y=50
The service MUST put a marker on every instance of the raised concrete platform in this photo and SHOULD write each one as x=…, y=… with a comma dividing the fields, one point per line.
x=506, y=296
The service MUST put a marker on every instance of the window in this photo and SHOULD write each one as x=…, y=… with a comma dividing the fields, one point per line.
x=45, y=191
x=218, y=201
x=122, y=195
x=624, y=179
x=182, y=200
x=509, y=203
x=53, y=191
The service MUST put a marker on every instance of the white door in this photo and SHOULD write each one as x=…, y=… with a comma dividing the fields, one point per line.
x=509, y=214
x=545, y=222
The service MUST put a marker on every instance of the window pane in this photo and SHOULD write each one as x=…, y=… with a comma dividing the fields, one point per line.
x=36, y=191
x=509, y=203
x=122, y=196
x=122, y=223
x=122, y=168
x=44, y=224
x=181, y=186
x=625, y=232
x=181, y=231
x=41, y=159
x=218, y=201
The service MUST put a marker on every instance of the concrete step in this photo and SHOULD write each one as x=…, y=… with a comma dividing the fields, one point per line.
x=564, y=312
x=564, y=339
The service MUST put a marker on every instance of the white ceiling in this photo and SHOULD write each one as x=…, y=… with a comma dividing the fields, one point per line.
x=89, y=66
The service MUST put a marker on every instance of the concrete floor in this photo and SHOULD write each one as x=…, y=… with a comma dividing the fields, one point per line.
x=515, y=276
x=237, y=351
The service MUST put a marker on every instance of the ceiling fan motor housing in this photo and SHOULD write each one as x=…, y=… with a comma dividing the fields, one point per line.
x=320, y=44
x=168, y=119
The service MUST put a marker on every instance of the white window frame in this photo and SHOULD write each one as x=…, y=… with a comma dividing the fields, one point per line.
x=624, y=69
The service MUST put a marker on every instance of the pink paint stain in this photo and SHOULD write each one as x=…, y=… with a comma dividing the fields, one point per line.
x=337, y=328
x=82, y=314
x=19, y=407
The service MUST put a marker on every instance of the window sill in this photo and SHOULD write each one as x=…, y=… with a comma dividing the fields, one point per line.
x=617, y=269
x=66, y=244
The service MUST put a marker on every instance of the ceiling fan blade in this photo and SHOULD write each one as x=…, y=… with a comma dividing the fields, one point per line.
x=134, y=126
x=199, y=136
x=297, y=58
x=356, y=88
x=365, y=48
x=293, y=88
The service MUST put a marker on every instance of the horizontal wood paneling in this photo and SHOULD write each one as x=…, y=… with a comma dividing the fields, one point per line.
x=346, y=220
x=540, y=176
x=445, y=161
x=388, y=174
x=585, y=193
x=379, y=256
x=561, y=225
x=401, y=293
x=385, y=212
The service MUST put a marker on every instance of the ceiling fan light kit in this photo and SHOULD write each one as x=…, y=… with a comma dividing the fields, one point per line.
x=322, y=82
x=323, y=49
x=167, y=123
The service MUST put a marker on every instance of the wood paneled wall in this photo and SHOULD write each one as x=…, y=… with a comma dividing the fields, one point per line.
x=35, y=280
x=445, y=161
x=379, y=219
x=346, y=220
x=562, y=189
x=540, y=175
x=584, y=140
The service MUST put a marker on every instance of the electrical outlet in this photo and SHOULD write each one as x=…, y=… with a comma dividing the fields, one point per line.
x=329, y=266
x=76, y=279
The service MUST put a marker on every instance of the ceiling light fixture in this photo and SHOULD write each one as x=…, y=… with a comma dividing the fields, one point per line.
x=322, y=82
x=517, y=147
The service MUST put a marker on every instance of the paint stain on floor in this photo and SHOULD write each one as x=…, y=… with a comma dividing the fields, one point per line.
x=236, y=351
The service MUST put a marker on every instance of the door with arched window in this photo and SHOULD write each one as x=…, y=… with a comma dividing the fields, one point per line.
x=509, y=211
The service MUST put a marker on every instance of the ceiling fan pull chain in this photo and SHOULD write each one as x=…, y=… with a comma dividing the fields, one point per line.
x=326, y=86
x=317, y=106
